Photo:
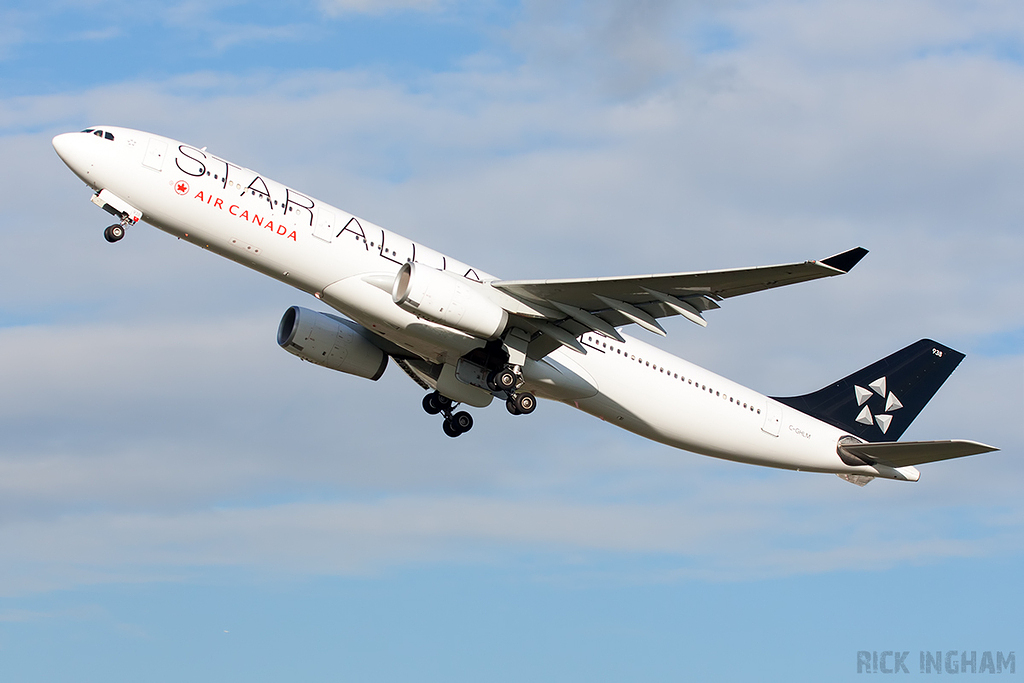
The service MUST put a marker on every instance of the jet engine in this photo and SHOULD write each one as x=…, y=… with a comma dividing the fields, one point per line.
x=330, y=341
x=447, y=299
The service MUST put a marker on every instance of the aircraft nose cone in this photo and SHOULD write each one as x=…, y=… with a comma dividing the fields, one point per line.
x=62, y=144
x=72, y=148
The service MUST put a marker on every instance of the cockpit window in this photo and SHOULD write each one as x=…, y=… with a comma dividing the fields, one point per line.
x=99, y=133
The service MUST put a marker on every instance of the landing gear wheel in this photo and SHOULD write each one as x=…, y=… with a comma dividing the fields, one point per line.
x=462, y=421
x=113, y=233
x=512, y=407
x=502, y=380
x=453, y=425
x=431, y=404
x=450, y=428
x=525, y=402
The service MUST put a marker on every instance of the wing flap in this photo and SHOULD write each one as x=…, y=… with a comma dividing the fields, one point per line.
x=906, y=453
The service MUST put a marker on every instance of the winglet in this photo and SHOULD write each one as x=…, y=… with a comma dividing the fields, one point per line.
x=847, y=260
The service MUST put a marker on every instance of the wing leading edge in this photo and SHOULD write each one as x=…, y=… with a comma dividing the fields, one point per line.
x=600, y=305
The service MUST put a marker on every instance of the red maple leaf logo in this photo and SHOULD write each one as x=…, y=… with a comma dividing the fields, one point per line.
x=181, y=187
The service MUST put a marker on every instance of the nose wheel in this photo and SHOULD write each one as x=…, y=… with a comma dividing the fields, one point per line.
x=114, y=233
x=455, y=424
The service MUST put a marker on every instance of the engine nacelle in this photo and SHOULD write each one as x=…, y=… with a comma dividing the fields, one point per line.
x=330, y=341
x=447, y=299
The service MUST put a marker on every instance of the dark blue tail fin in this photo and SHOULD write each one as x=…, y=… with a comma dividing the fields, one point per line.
x=879, y=402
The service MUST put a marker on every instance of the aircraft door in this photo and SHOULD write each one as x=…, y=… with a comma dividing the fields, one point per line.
x=772, y=418
x=156, y=150
x=324, y=225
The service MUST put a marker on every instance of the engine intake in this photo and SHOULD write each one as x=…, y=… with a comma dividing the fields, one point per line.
x=447, y=299
x=332, y=342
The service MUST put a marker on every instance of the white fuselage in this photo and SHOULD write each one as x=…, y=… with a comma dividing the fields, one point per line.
x=350, y=263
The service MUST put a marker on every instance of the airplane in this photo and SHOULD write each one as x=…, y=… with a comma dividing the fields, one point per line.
x=466, y=337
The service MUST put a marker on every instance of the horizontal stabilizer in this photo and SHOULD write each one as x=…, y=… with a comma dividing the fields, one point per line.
x=906, y=453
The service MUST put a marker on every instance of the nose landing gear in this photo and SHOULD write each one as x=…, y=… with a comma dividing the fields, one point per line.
x=455, y=424
x=125, y=213
x=114, y=233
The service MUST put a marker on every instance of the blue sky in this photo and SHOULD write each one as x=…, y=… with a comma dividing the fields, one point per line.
x=181, y=500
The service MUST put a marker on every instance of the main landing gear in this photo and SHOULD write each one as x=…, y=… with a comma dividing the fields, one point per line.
x=522, y=403
x=508, y=380
x=455, y=424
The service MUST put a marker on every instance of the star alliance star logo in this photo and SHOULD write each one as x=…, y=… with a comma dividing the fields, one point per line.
x=883, y=419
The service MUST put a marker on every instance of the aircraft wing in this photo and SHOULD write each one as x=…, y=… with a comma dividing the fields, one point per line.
x=576, y=306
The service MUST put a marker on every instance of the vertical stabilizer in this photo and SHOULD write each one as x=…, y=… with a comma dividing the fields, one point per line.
x=879, y=402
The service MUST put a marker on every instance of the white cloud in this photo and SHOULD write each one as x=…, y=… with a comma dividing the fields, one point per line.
x=706, y=536
x=831, y=36
x=343, y=7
